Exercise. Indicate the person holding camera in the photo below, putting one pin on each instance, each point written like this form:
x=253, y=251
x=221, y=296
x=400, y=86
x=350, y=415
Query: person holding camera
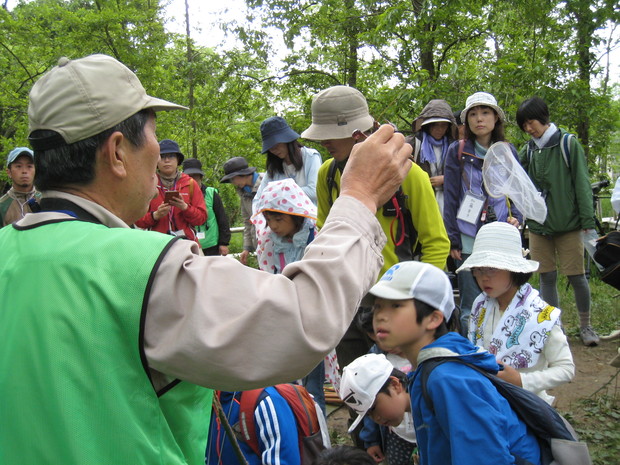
x=467, y=206
x=556, y=163
x=179, y=205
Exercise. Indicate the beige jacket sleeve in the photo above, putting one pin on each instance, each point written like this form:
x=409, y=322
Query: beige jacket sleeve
x=217, y=323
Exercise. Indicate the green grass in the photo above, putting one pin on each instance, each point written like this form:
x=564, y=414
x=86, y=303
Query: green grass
x=595, y=418
x=605, y=306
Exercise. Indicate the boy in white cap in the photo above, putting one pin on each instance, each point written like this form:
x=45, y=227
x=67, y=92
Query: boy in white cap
x=371, y=386
x=471, y=423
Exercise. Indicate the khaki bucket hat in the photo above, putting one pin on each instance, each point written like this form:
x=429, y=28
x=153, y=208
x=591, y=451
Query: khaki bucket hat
x=336, y=113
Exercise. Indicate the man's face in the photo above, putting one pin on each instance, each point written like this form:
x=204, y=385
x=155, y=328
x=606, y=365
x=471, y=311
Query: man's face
x=141, y=165
x=21, y=173
x=340, y=149
x=241, y=181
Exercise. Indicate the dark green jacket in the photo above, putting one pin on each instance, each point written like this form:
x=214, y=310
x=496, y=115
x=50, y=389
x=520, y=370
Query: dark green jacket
x=565, y=186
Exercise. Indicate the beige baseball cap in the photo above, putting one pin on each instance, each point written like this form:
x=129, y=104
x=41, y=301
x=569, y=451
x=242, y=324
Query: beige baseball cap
x=81, y=98
x=337, y=112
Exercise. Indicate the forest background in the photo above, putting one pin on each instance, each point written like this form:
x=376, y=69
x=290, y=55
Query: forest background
x=399, y=54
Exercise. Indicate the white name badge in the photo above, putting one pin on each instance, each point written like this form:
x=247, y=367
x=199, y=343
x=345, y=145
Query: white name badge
x=200, y=235
x=470, y=208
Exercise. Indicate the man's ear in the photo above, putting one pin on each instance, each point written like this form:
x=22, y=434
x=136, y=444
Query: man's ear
x=434, y=320
x=113, y=154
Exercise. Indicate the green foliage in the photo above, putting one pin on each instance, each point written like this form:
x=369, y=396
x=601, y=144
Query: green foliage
x=597, y=425
x=400, y=54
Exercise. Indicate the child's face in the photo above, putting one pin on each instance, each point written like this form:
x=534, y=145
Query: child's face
x=282, y=225
x=394, y=322
x=494, y=282
x=481, y=120
x=389, y=410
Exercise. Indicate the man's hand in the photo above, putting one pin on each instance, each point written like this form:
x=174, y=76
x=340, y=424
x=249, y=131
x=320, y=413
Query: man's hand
x=377, y=167
x=223, y=250
x=243, y=257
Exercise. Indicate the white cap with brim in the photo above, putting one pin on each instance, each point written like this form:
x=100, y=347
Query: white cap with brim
x=361, y=381
x=415, y=280
x=337, y=112
x=82, y=98
x=498, y=245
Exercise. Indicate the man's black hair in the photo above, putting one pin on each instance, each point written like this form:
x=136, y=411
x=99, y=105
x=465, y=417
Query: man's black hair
x=423, y=310
x=74, y=164
x=533, y=108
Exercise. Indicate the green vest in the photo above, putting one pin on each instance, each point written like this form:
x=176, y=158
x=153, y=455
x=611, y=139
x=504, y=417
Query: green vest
x=75, y=385
x=210, y=229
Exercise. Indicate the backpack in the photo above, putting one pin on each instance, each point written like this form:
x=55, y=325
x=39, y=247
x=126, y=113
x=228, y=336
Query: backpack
x=407, y=246
x=306, y=419
x=607, y=254
x=564, y=148
x=559, y=444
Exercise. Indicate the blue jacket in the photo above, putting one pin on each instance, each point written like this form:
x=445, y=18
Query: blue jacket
x=472, y=422
x=275, y=427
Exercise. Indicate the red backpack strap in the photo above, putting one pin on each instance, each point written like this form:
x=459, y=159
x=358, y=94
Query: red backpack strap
x=246, y=418
x=302, y=405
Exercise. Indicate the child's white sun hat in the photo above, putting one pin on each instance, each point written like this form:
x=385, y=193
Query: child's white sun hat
x=498, y=245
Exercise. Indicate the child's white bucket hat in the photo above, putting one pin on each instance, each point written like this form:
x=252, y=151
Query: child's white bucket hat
x=498, y=245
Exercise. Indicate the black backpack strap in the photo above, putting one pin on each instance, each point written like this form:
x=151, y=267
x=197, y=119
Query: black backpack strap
x=331, y=181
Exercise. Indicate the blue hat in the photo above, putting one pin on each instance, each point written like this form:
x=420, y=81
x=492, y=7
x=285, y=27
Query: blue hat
x=170, y=146
x=16, y=152
x=275, y=130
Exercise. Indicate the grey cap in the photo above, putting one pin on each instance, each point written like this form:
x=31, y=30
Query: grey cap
x=81, y=98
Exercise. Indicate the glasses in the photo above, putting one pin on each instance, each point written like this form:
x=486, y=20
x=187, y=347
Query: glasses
x=484, y=271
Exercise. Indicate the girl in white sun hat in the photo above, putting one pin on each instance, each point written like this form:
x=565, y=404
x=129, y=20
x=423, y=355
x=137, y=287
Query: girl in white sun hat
x=509, y=318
